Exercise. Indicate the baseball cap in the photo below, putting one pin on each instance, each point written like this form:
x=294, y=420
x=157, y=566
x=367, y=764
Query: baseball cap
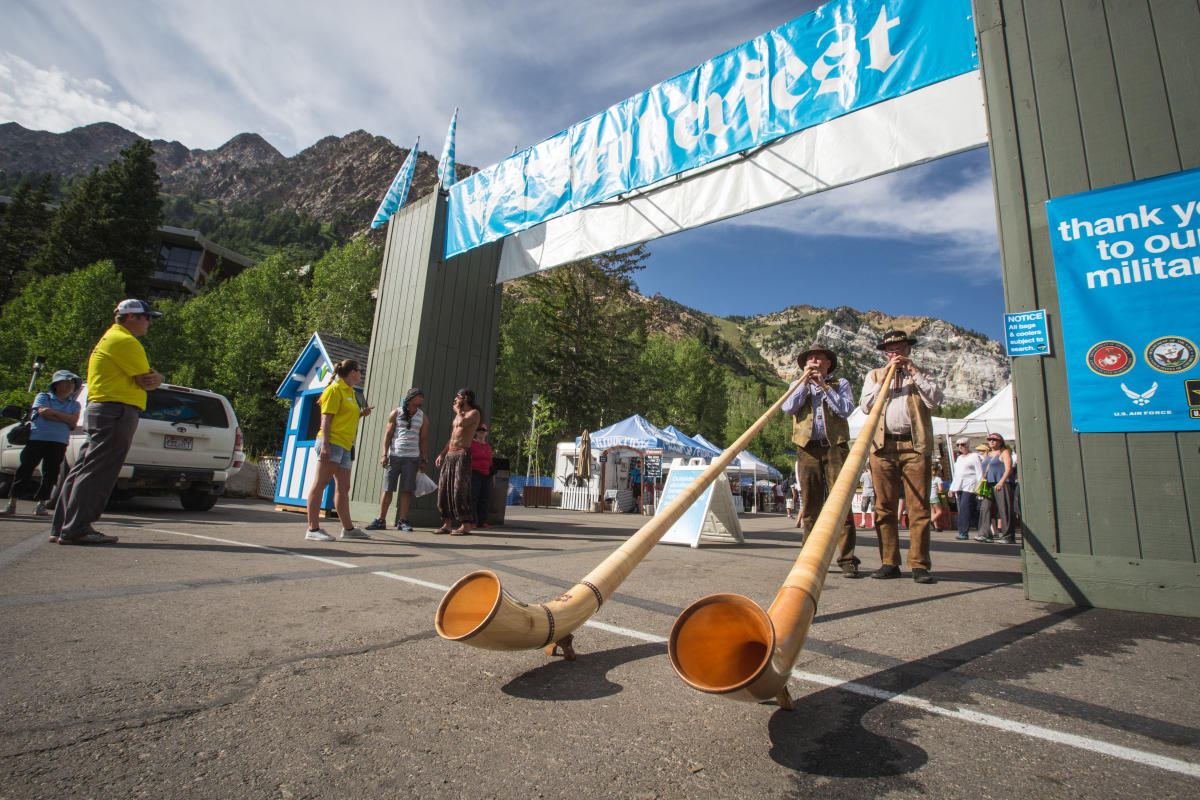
x=132, y=306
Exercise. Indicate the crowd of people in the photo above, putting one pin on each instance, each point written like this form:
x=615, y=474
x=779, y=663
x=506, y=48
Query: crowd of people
x=465, y=465
x=899, y=467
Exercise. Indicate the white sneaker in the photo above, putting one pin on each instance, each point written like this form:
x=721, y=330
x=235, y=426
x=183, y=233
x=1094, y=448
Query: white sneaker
x=41, y=511
x=319, y=535
x=354, y=533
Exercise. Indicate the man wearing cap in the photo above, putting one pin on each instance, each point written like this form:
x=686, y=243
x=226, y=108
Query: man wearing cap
x=117, y=381
x=822, y=437
x=404, y=454
x=900, y=456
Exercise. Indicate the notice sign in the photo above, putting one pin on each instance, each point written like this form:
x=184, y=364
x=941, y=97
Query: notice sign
x=1027, y=334
x=1127, y=261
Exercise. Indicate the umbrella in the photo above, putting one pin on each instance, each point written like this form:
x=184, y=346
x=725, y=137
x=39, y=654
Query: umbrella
x=583, y=464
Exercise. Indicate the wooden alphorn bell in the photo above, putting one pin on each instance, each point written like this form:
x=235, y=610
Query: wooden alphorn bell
x=726, y=644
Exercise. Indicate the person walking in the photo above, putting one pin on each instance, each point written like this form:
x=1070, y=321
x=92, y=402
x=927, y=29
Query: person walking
x=55, y=413
x=868, y=499
x=968, y=471
x=901, y=456
x=997, y=471
x=481, y=475
x=119, y=375
x=340, y=413
x=404, y=456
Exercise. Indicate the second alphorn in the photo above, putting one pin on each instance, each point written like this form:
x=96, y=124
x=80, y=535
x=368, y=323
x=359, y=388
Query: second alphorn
x=726, y=644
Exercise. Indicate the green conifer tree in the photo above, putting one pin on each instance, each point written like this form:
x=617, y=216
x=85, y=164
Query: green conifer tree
x=112, y=214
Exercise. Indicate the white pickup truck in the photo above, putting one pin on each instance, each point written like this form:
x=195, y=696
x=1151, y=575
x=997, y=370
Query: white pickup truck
x=188, y=442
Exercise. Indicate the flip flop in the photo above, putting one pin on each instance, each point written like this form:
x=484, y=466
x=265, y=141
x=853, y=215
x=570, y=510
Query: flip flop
x=460, y=532
x=442, y=530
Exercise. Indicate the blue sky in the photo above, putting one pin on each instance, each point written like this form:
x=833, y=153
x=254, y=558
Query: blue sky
x=921, y=241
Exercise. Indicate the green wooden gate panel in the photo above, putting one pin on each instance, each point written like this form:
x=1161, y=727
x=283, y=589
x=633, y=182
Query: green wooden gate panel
x=1084, y=94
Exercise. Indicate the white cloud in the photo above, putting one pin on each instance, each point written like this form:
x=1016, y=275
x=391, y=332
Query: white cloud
x=51, y=99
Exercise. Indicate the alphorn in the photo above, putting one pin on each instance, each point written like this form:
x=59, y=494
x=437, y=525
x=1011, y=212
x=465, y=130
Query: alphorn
x=726, y=644
x=478, y=612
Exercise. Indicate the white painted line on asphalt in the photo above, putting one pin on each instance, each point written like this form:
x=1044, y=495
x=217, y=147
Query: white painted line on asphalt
x=415, y=581
x=992, y=721
x=966, y=715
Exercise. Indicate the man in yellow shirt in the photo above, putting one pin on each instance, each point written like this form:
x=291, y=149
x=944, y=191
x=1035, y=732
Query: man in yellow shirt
x=118, y=378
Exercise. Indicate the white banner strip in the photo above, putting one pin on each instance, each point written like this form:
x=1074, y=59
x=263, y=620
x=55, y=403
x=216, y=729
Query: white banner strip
x=938, y=120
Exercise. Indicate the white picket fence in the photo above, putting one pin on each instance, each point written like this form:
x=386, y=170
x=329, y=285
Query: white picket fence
x=579, y=498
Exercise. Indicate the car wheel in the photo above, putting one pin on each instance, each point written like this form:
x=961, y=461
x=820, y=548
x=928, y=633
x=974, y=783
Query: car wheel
x=197, y=500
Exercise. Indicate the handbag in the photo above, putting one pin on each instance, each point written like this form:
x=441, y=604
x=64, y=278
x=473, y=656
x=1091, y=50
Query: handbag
x=982, y=489
x=19, y=433
x=425, y=485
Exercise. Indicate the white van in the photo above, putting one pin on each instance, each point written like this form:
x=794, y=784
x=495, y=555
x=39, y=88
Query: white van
x=188, y=442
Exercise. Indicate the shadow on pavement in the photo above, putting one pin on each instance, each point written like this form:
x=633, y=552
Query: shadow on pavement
x=584, y=679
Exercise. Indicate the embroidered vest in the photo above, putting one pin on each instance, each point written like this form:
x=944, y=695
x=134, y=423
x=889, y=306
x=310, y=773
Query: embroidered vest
x=837, y=429
x=919, y=416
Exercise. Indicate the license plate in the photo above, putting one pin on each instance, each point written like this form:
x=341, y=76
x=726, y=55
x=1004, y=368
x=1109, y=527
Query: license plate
x=177, y=442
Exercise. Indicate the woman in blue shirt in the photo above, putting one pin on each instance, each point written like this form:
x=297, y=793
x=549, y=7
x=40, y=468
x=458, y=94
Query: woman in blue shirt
x=998, y=472
x=55, y=414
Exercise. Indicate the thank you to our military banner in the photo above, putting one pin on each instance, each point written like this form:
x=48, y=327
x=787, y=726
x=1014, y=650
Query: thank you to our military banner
x=1127, y=259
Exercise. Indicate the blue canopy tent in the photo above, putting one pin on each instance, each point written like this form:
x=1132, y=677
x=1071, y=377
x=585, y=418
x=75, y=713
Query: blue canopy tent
x=683, y=437
x=746, y=462
x=642, y=434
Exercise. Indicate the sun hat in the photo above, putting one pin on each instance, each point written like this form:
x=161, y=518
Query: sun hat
x=802, y=359
x=894, y=337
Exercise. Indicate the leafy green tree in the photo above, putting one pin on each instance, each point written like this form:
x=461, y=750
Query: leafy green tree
x=112, y=214
x=239, y=339
x=340, y=297
x=60, y=317
x=23, y=226
x=683, y=386
x=572, y=335
x=748, y=400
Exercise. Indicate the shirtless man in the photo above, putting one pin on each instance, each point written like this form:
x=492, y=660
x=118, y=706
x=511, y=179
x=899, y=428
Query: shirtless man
x=454, y=480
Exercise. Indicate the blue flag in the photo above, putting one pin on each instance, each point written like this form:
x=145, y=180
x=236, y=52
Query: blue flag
x=446, y=177
x=398, y=192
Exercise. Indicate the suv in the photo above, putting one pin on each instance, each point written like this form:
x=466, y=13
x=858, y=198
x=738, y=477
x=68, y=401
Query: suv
x=187, y=442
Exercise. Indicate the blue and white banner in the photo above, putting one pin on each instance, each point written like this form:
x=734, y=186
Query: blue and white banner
x=846, y=55
x=1127, y=261
x=397, y=193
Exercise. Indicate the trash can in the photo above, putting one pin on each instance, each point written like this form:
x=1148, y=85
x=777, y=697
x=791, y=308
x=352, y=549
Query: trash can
x=499, y=496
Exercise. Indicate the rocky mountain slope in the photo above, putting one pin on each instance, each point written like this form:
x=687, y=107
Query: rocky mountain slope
x=338, y=179
x=970, y=367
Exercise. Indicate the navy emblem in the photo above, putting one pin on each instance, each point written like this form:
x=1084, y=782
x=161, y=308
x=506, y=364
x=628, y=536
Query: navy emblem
x=1171, y=354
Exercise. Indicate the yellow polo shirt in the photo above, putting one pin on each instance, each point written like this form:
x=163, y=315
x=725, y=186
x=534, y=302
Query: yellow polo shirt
x=338, y=399
x=116, y=358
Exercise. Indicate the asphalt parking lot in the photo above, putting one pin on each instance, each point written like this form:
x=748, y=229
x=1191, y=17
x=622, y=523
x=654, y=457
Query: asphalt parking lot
x=220, y=654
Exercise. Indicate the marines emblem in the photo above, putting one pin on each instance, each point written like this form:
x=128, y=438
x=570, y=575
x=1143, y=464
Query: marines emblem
x=1110, y=358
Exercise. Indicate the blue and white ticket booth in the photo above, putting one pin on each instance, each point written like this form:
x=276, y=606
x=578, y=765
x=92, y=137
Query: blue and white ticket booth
x=309, y=376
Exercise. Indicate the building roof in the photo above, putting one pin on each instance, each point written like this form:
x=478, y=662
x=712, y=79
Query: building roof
x=324, y=347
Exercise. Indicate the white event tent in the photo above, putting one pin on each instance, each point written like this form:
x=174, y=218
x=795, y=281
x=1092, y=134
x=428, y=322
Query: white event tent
x=994, y=416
